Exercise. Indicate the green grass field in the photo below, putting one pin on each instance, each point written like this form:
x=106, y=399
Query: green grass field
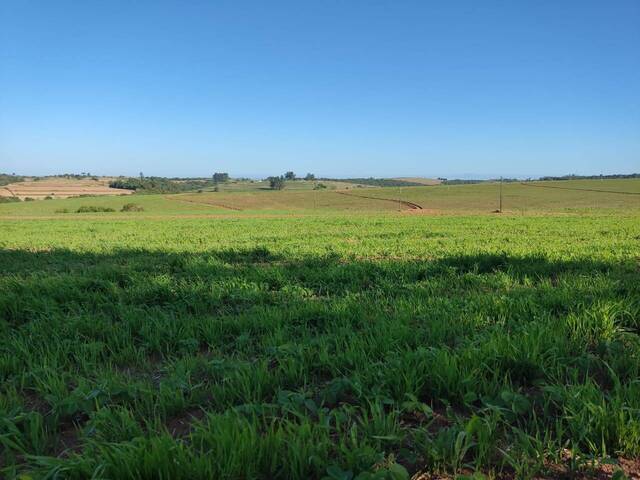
x=318, y=335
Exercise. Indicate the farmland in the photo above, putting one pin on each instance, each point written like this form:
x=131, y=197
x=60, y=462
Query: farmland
x=621, y=197
x=53, y=187
x=323, y=334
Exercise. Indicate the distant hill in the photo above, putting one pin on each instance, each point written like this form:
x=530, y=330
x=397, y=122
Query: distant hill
x=420, y=180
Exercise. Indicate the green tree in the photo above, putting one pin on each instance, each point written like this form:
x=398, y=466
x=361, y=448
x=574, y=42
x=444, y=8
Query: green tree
x=310, y=176
x=220, y=177
x=289, y=176
x=276, y=183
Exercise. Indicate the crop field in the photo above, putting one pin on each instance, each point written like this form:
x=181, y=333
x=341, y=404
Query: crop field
x=619, y=197
x=518, y=198
x=54, y=187
x=523, y=198
x=319, y=335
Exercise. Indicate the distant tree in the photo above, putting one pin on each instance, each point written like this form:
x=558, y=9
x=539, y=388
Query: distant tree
x=141, y=176
x=289, y=176
x=310, y=176
x=276, y=183
x=219, y=177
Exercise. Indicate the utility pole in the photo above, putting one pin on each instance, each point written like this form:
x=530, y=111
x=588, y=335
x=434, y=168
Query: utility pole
x=500, y=209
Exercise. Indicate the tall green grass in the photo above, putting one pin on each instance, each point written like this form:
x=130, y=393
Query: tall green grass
x=341, y=347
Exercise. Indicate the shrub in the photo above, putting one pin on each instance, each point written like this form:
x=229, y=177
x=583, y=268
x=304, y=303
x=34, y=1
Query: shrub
x=93, y=209
x=29, y=199
x=132, y=207
x=9, y=199
x=62, y=210
x=48, y=197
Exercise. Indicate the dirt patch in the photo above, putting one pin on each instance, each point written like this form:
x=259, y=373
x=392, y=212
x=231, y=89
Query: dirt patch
x=593, y=470
x=35, y=403
x=68, y=440
x=181, y=425
x=630, y=468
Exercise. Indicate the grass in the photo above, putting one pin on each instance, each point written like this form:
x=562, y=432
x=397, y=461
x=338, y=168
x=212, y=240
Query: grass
x=370, y=345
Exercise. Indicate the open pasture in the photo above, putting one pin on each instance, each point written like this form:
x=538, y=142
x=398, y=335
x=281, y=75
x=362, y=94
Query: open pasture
x=355, y=343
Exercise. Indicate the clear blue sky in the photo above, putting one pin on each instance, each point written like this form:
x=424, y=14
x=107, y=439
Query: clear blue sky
x=339, y=88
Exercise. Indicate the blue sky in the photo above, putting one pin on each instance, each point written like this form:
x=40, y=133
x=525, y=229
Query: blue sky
x=338, y=88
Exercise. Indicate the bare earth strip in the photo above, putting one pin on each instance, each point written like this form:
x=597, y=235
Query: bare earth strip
x=410, y=205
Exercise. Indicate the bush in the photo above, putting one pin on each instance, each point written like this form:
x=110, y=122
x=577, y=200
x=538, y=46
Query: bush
x=9, y=199
x=132, y=207
x=62, y=210
x=48, y=197
x=93, y=209
x=29, y=199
